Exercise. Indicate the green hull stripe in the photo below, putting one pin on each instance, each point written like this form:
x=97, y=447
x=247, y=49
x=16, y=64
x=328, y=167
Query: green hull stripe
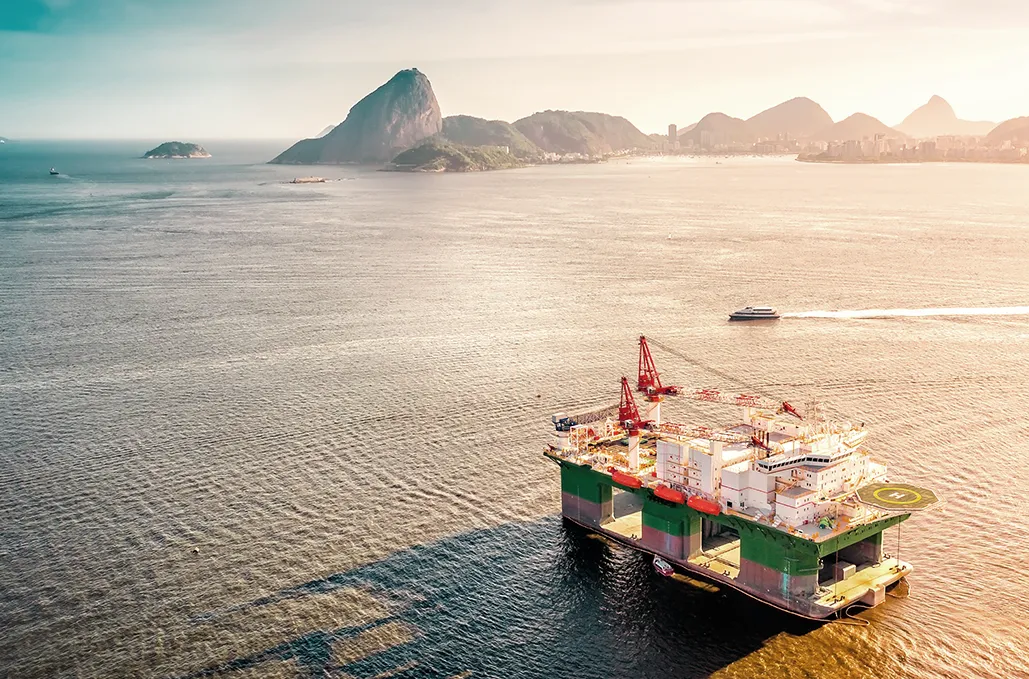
x=585, y=483
x=777, y=550
x=759, y=543
x=674, y=519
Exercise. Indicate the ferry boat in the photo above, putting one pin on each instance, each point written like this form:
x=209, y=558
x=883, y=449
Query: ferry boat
x=783, y=505
x=754, y=313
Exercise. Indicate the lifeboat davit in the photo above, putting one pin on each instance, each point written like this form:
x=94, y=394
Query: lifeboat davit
x=624, y=479
x=703, y=505
x=670, y=494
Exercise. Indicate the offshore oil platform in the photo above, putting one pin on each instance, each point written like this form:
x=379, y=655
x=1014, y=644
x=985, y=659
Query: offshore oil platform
x=784, y=506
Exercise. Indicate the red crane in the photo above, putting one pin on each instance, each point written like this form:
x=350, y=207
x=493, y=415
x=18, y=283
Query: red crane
x=628, y=413
x=787, y=408
x=649, y=381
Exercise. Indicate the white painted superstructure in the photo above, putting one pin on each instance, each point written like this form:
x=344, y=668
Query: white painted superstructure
x=800, y=473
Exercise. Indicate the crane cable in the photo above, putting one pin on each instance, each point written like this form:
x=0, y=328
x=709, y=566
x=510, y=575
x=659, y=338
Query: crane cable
x=706, y=368
x=726, y=376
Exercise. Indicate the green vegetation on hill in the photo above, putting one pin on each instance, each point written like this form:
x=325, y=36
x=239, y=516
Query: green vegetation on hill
x=472, y=131
x=443, y=156
x=591, y=134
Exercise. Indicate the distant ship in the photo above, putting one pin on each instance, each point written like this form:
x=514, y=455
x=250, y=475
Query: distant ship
x=754, y=313
x=53, y=171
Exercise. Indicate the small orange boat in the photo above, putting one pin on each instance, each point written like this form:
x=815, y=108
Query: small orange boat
x=670, y=494
x=703, y=505
x=624, y=479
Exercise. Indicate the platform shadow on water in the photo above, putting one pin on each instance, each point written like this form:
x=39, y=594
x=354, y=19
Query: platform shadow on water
x=543, y=599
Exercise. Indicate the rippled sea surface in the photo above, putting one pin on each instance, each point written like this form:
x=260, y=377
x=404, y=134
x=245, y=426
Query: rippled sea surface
x=253, y=429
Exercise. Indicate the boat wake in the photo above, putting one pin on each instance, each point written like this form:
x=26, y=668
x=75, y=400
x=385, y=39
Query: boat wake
x=894, y=313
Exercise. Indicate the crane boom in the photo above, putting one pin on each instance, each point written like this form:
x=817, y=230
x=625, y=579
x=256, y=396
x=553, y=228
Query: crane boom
x=745, y=400
x=565, y=422
x=706, y=433
x=627, y=410
x=650, y=383
x=649, y=380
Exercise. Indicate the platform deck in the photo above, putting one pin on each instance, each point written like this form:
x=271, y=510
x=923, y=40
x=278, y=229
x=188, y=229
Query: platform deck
x=854, y=587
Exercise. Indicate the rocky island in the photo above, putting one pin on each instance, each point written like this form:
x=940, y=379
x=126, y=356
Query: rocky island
x=177, y=149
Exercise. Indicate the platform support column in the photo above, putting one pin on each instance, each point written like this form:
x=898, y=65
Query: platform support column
x=585, y=497
x=869, y=550
x=774, y=562
x=670, y=529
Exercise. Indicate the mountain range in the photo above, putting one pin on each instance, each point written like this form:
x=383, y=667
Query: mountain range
x=403, y=114
x=798, y=118
x=802, y=118
x=857, y=126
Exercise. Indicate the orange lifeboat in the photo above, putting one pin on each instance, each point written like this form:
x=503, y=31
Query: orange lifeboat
x=624, y=479
x=670, y=494
x=703, y=505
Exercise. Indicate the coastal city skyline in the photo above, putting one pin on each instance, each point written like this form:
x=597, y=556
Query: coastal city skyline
x=216, y=71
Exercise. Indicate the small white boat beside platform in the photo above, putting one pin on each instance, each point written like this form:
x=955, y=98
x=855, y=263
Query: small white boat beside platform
x=663, y=567
x=755, y=313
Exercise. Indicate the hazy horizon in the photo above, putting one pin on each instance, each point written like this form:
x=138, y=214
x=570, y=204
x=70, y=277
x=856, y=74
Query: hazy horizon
x=260, y=70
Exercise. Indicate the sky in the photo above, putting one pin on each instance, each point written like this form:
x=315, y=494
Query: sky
x=284, y=69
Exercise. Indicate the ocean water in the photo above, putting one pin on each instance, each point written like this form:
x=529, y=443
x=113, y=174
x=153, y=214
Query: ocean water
x=254, y=429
